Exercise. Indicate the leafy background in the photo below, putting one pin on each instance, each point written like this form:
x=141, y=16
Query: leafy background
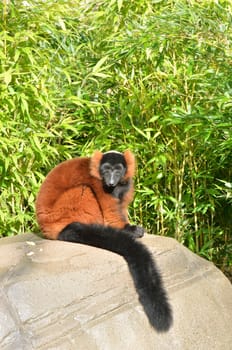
x=151, y=76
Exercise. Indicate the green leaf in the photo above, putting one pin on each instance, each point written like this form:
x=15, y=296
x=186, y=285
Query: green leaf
x=99, y=65
x=7, y=76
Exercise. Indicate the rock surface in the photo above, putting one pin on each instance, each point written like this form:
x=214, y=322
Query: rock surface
x=61, y=296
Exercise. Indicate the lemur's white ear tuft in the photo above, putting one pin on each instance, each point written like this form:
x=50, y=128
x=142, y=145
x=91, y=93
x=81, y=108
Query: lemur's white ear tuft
x=130, y=163
x=95, y=161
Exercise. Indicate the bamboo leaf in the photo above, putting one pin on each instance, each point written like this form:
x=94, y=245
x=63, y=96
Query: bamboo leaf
x=99, y=65
x=7, y=76
x=120, y=2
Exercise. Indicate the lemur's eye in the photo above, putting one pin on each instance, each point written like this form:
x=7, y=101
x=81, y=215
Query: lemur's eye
x=118, y=167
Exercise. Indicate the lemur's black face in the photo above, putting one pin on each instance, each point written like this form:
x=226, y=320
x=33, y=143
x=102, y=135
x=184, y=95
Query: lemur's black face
x=112, y=169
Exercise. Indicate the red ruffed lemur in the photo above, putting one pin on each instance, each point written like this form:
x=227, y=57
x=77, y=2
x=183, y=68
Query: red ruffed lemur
x=85, y=200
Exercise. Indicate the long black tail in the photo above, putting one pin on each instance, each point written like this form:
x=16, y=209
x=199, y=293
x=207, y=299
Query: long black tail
x=147, y=279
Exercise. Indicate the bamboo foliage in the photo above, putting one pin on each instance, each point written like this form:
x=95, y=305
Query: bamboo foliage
x=153, y=76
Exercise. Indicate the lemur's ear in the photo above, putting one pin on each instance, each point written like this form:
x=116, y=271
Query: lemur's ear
x=95, y=161
x=130, y=163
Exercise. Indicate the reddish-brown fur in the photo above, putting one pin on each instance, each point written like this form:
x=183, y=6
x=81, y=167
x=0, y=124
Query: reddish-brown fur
x=73, y=191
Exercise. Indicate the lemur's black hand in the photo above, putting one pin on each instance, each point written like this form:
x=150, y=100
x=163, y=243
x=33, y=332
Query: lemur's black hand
x=138, y=231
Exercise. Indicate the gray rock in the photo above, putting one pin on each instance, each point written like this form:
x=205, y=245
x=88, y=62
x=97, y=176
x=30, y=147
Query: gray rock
x=61, y=296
